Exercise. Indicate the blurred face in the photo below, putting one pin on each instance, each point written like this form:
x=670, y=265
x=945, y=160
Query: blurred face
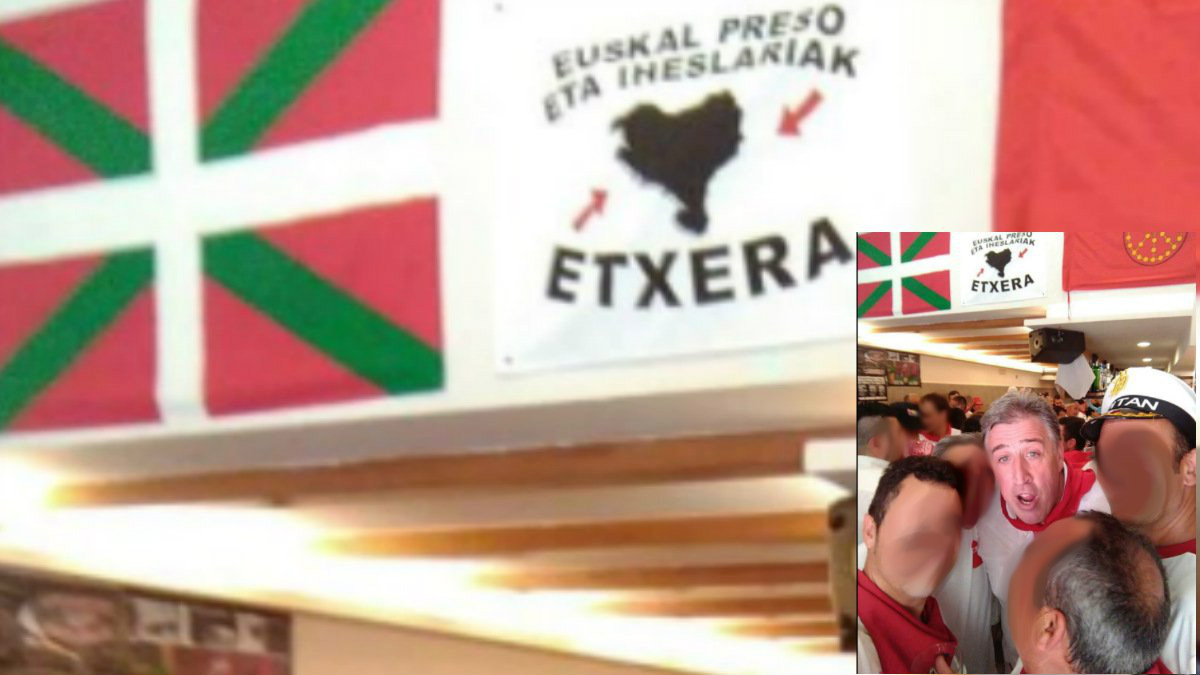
x=1138, y=472
x=976, y=473
x=1068, y=443
x=1028, y=468
x=1038, y=631
x=934, y=420
x=915, y=546
x=896, y=440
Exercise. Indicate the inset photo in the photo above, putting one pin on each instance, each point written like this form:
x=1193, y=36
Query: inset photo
x=1026, y=452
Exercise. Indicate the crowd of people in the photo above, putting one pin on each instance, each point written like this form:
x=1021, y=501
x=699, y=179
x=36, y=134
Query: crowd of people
x=1032, y=535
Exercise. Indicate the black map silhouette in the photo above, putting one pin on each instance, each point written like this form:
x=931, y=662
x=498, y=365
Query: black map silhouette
x=999, y=260
x=682, y=151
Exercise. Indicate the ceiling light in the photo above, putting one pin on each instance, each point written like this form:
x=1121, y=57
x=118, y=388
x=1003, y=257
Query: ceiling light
x=1143, y=343
x=24, y=490
x=1147, y=360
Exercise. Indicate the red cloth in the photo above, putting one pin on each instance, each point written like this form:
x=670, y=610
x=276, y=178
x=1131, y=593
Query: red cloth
x=1173, y=550
x=1099, y=260
x=918, y=447
x=904, y=643
x=1079, y=481
x=1158, y=667
x=1098, y=110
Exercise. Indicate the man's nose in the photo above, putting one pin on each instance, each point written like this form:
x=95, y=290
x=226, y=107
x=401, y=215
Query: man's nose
x=1021, y=474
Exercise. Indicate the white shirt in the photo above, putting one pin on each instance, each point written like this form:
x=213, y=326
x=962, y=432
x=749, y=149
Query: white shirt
x=965, y=600
x=868, y=658
x=1179, y=652
x=1001, y=546
x=870, y=470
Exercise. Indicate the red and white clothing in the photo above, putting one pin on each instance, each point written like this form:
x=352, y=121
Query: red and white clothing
x=918, y=446
x=1179, y=561
x=892, y=640
x=1002, y=538
x=934, y=438
x=965, y=600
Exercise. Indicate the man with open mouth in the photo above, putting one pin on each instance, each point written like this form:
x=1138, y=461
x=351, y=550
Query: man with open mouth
x=1038, y=483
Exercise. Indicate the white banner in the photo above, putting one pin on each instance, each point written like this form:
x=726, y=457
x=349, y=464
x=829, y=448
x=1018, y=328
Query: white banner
x=684, y=179
x=1000, y=267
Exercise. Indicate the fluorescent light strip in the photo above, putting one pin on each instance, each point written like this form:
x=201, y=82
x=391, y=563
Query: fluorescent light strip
x=915, y=342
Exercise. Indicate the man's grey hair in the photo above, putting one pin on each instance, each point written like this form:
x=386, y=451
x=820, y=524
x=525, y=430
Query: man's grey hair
x=1116, y=617
x=868, y=428
x=1020, y=404
x=950, y=442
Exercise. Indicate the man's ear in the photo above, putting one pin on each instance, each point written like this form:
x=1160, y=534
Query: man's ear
x=876, y=445
x=1188, y=468
x=1051, y=636
x=869, y=531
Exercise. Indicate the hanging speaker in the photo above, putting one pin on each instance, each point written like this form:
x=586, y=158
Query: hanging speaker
x=1054, y=345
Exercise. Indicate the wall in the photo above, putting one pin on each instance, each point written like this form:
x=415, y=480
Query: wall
x=940, y=375
x=323, y=646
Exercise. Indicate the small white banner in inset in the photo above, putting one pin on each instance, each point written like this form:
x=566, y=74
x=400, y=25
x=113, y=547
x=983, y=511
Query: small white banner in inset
x=1000, y=267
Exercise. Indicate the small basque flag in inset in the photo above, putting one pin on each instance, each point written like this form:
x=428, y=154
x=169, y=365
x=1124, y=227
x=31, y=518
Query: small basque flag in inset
x=274, y=72
x=73, y=96
x=333, y=308
x=77, y=342
x=874, y=250
x=922, y=273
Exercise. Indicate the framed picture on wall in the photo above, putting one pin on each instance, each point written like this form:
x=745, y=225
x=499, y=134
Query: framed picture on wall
x=58, y=625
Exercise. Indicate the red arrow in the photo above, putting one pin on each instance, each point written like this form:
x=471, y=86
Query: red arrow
x=789, y=124
x=594, y=208
x=1022, y=253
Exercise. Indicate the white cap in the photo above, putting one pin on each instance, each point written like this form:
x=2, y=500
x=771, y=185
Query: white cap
x=1147, y=393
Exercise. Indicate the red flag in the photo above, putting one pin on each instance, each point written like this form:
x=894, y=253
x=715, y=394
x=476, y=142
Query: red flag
x=77, y=342
x=331, y=308
x=74, y=99
x=1098, y=115
x=1098, y=260
x=276, y=72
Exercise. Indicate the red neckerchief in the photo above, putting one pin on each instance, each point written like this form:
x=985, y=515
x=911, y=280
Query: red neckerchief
x=976, y=561
x=1077, y=485
x=1177, y=549
x=936, y=437
x=904, y=643
x=1157, y=667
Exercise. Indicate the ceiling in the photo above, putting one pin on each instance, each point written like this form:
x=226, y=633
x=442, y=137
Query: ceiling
x=760, y=407
x=1114, y=340
x=703, y=554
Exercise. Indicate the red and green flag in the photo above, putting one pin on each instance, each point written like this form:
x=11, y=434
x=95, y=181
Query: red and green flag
x=922, y=273
x=275, y=72
x=73, y=96
x=332, y=308
x=77, y=342
x=874, y=297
